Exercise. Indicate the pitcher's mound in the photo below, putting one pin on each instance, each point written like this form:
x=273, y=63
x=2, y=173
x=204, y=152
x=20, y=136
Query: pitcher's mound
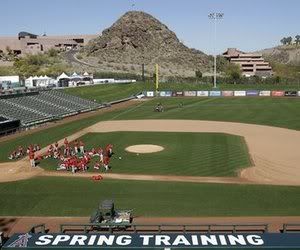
x=144, y=148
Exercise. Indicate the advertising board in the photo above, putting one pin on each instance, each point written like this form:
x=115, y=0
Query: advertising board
x=265, y=93
x=227, y=93
x=252, y=93
x=178, y=93
x=202, y=93
x=162, y=93
x=290, y=93
x=150, y=93
x=277, y=93
x=215, y=93
x=239, y=93
x=155, y=241
x=190, y=93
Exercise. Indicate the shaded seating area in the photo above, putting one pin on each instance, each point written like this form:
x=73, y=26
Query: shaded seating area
x=43, y=106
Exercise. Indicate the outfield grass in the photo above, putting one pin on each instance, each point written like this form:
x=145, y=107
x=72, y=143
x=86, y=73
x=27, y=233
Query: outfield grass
x=111, y=92
x=280, y=112
x=48, y=196
x=192, y=154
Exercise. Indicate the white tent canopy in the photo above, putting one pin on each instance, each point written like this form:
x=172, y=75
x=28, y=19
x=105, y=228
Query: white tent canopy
x=39, y=81
x=63, y=76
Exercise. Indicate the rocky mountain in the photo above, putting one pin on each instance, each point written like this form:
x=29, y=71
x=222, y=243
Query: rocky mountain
x=287, y=54
x=138, y=38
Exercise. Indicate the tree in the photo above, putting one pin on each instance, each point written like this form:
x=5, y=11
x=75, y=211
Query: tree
x=283, y=41
x=297, y=39
x=233, y=71
x=8, y=50
x=198, y=74
x=289, y=40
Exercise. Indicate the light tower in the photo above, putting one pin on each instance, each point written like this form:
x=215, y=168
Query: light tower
x=215, y=16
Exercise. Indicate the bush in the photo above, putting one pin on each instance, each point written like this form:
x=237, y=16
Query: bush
x=52, y=52
x=79, y=57
x=198, y=74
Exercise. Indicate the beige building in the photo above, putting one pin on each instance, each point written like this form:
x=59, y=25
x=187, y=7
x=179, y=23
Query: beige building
x=26, y=43
x=251, y=63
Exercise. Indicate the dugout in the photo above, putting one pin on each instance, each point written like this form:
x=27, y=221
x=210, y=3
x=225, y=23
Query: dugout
x=8, y=126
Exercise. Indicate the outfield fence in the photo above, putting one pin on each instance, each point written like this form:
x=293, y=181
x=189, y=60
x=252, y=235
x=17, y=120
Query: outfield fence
x=224, y=93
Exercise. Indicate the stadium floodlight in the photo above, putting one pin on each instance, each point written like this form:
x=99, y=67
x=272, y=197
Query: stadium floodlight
x=215, y=16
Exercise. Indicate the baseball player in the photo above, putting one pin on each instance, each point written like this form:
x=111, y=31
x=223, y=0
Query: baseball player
x=97, y=165
x=106, y=162
x=31, y=159
x=81, y=144
x=76, y=146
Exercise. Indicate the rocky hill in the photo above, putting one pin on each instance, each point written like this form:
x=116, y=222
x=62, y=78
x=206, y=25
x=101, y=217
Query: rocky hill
x=287, y=54
x=137, y=38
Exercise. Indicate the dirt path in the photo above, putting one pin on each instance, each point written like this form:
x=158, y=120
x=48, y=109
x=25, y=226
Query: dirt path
x=10, y=225
x=275, y=151
x=195, y=179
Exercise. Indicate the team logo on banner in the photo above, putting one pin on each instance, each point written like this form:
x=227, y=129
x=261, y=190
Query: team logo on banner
x=22, y=241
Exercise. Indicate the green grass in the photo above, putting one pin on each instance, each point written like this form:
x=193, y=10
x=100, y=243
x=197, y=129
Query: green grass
x=111, y=92
x=51, y=135
x=280, y=112
x=48, y=196
x=192, y=154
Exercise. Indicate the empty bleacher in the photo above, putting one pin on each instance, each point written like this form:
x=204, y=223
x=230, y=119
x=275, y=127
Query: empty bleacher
x=43, y=106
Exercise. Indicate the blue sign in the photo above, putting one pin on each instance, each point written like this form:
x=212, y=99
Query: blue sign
x=155, y=241
x=169, y=93
x=214, y=93
x=252, y=93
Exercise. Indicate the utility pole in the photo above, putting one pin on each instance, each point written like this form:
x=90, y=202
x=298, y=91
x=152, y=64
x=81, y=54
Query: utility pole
x=215, y=16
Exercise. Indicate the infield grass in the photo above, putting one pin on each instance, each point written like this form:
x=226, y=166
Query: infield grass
x=50, y=196
x=280, y=112
x=190, y=154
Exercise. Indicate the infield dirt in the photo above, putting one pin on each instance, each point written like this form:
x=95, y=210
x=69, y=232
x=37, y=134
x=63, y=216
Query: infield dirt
x=274, y=151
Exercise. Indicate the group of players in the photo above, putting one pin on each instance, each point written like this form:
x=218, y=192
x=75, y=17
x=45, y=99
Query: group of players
x=20, y=152
x=76, y=158
x=72, y=156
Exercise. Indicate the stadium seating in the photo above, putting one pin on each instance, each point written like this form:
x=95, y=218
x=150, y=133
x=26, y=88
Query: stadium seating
x=44, y=106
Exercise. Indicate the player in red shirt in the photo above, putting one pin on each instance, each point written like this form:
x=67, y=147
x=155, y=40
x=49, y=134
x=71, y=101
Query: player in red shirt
x=106, y=162
x=66, y=142
x=97, y=165
x=109, y=150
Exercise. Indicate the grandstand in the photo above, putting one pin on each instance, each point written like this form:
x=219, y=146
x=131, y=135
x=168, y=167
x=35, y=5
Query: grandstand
x=39, y=107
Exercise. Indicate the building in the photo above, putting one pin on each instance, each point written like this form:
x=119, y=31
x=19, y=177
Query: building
x=27, y=43
x=251, y=63
x=9, y=82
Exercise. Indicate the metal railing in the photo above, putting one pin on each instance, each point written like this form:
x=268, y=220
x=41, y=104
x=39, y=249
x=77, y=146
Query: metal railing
x=135, y=228
x=291, y=228
x=41, y=227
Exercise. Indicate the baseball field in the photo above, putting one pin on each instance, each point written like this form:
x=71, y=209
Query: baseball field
x=220, y=157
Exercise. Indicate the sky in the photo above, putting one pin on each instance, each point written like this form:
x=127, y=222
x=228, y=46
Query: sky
x=248, y=25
